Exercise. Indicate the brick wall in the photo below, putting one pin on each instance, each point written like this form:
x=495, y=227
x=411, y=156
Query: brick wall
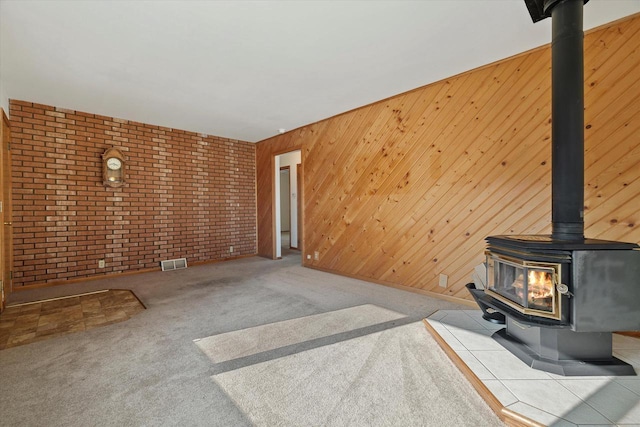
x=187, y=195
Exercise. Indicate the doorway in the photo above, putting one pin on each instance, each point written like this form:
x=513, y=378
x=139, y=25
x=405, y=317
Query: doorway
x=6, y=255
x=285, y=207
x=287, y=203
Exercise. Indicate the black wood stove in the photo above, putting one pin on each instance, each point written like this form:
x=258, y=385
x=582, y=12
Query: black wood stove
x=561, y=295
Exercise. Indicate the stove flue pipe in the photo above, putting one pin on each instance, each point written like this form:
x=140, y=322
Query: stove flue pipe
x=567, y=120
x=567, y=114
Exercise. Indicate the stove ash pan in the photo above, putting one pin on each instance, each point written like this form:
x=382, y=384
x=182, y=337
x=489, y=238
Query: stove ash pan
x=585, y=286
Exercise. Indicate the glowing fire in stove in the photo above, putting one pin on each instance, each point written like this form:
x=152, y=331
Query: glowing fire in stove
x=539, y=287
x=539, y=284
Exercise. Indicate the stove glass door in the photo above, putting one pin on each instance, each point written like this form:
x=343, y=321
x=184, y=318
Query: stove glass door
x=531, y=287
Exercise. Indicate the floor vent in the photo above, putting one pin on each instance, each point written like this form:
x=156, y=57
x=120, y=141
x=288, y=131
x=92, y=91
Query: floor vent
x=173, y=264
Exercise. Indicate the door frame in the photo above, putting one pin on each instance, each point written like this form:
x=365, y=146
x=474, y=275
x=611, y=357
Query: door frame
x=286, y=168
x=275, y=201
x=6, y=235
x=299, y=205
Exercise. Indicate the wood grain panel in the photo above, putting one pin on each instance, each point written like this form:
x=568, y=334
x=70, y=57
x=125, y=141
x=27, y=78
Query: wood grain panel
x=6, y=227
x=405, y=189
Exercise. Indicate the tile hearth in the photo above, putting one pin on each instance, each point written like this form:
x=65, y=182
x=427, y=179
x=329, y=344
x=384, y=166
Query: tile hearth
x=545, y=398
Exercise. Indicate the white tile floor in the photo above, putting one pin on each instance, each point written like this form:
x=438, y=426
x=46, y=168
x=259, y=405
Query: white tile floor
x=543, y=397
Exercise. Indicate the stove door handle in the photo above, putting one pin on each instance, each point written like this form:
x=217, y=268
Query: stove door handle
x=564, y=289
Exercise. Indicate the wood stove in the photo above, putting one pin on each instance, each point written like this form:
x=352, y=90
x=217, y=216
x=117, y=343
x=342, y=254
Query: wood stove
x=561, y=296
x=561, y=300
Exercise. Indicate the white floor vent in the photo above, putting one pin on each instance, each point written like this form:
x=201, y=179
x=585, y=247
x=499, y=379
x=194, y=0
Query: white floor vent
x=173, y=264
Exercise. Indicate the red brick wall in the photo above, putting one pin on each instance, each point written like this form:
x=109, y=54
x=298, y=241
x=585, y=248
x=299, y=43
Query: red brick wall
x=187, y=195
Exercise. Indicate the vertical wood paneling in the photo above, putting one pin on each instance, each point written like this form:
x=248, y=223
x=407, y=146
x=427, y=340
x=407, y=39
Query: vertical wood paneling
x=6, y=211
x=406, y=189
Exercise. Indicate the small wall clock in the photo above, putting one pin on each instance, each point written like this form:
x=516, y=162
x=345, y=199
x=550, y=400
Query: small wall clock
x=113, y=168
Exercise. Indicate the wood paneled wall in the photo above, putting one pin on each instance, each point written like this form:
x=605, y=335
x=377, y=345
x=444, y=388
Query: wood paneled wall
x=403, y=190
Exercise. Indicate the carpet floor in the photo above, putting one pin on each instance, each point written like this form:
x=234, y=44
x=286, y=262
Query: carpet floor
x=384, y=369
x=395, y=377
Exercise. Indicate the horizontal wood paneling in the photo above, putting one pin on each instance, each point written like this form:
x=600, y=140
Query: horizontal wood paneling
x=406, y=189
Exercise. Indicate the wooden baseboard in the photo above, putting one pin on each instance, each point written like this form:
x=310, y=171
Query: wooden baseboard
x=216, y=261
x=20, y=304
x=634, y=334
x=116, y=275
x=462, y=301
x=82, y=279
x=508, y=416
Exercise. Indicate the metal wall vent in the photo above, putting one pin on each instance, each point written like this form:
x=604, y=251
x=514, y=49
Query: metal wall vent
x=173, y=264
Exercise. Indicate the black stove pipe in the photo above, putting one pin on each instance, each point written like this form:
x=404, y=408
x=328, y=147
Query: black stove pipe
x=567, y=116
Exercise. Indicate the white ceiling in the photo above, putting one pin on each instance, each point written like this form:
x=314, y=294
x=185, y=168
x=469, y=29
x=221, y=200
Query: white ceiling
x=244, y=69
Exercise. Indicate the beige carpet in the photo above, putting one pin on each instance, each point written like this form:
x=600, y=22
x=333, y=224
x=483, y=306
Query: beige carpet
x=259, y=339
x=147, y=371
x=397, y=377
